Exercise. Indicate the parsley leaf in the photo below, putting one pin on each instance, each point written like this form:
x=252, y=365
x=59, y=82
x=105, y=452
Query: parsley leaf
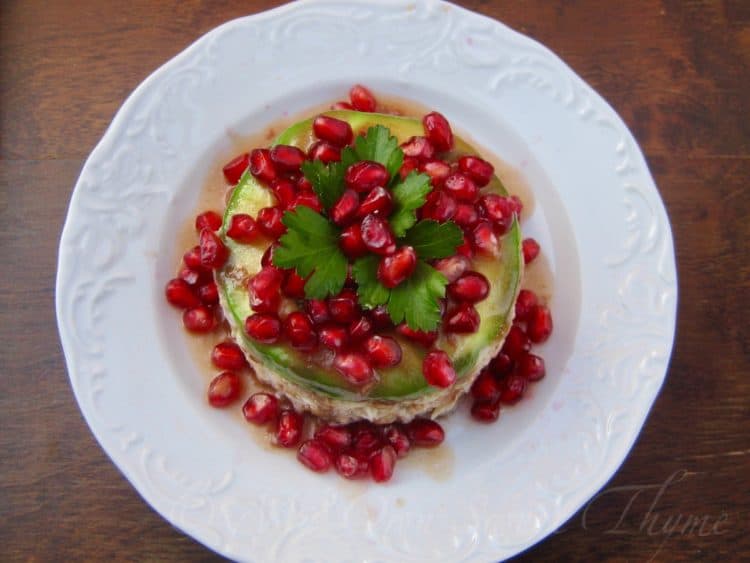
x=328, y=179
x=432, y=240
x=370, y=291
x=311, y=245
x=416, y=300
x=408, y=196
x=380, y=146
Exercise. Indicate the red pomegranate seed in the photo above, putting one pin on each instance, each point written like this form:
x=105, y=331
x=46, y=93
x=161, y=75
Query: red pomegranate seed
x=409, y=165
x=437, y=170
x=192, y=259
x=477, y=169
x=294, y=285
x=498, y=209
x=513, y=389
x=501, y=365
x=264, y=289
x=285, y=191
x=287, y=158
x=324, y=152
x=180, y=294
x=426, y=339
x=530, y=249
x=437, y=369
x=383, y=351
x=485, y=387
x=261, y=408
x=525, y=302
x=453, y=267
x=261, y=165
x=193, y=277
x=438, y=131
x=379, y=201
x=539, y=324
x=381, y=319
x=227, y=355
x=461, y=187
x=344, y=210
x=335, y=131
x=462, y=319
x=366, y=441
x=289, y=428
x=471, y=287
x=304, y=186
x=224, y=389
x=465, y=249
x=209, y=293
x=466, y=216
x=199, y=319
x=377, y=235
x=419, y=148
x=269, y=219
x=333, y=336
x=234, y=168
x=439, y=206
x=517, y=204
x=354, y=367
x=208, y=220
x=342, y=106
x=263, y=327
x=362, y=99
x=310, y=200
x=484, y=239
x=485, y=410
x=366, y=175
x=350, y=467
x=517, y=343
x=351, y=242
x=267, y=258
x=317, y=309
x=315, y=455
x=343, y=307
x=398, y=267
x=336, y=437
x=382, y=464
x=213, y=252
x=242, y=228
x=360, y=329
x=425, y=433
x=298, y=329
x=396, y=436
x=531, y=367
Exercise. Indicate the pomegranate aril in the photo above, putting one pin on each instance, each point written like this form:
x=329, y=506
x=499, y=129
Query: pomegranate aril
x=349, y=467
x=208, y=220
x=531, y=367
x=199, y=319
x=289, y=428
x=513, y=389
x=409, y=165
x=453, y=267
x=263, y=289
x=342, y=106
x=398, y=267
x=486, y=410
x=461, y=187
x=234, y=168
x=269, y=219
x=419, y=148
x=379, y=201
x=396, y=436
x=227, y=355
x=501, y=365
x=462, y=319
x=294, y=285
x=530, y=248
x=367, y=441
x=382, y=464
x=324, y=152
x=466, y=215
x=343, y=307
x=470, y=287
x=213, y=252
x=224, y=389
x=360, y=329
x=335, y=131
x=517, y=343
x=192, y=259
x=439, y=206
x=263, y=327
x=193, y=277
x=425, y=433
x=377, y=235
x=310, y=200
x=426, y=339
x=438, y=131
x=365, y=175
x=336, y=437
x=299, y=331
x=180, y=294
x=362, y=99
x=353, y=367
x=267, y=258
x=285, y=191
x=317, y=309
x=209, y=293
x=351, y=242
x=383, y=351
x=242, y=228
x=333, y=336
x=525, y=302
x=381, y=319
x=304, y=185
x=261, y=165
x=315, y=455
x=465, y=248
x=477, y=169
x=261, y=408
x=437, y=369
x=485, y=387
x=497, y=209
x=287, y=158
x=344, y=210
x=516, y=204
x=539, y=324
x=437, y=170
x=484, y=240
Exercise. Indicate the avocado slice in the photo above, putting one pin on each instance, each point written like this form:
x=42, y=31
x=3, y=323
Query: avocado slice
x=405, y=381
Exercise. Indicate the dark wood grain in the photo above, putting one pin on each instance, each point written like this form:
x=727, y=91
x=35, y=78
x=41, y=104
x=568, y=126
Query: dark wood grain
x=676, y=70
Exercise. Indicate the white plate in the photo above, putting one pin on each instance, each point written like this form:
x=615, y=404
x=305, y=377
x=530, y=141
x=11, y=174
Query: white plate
x=598, y=216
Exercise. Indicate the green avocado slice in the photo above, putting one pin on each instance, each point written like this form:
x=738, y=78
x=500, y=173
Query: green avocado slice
x=405, y=381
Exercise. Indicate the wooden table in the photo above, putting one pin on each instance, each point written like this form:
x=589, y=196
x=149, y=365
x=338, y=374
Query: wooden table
x=677, y=72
